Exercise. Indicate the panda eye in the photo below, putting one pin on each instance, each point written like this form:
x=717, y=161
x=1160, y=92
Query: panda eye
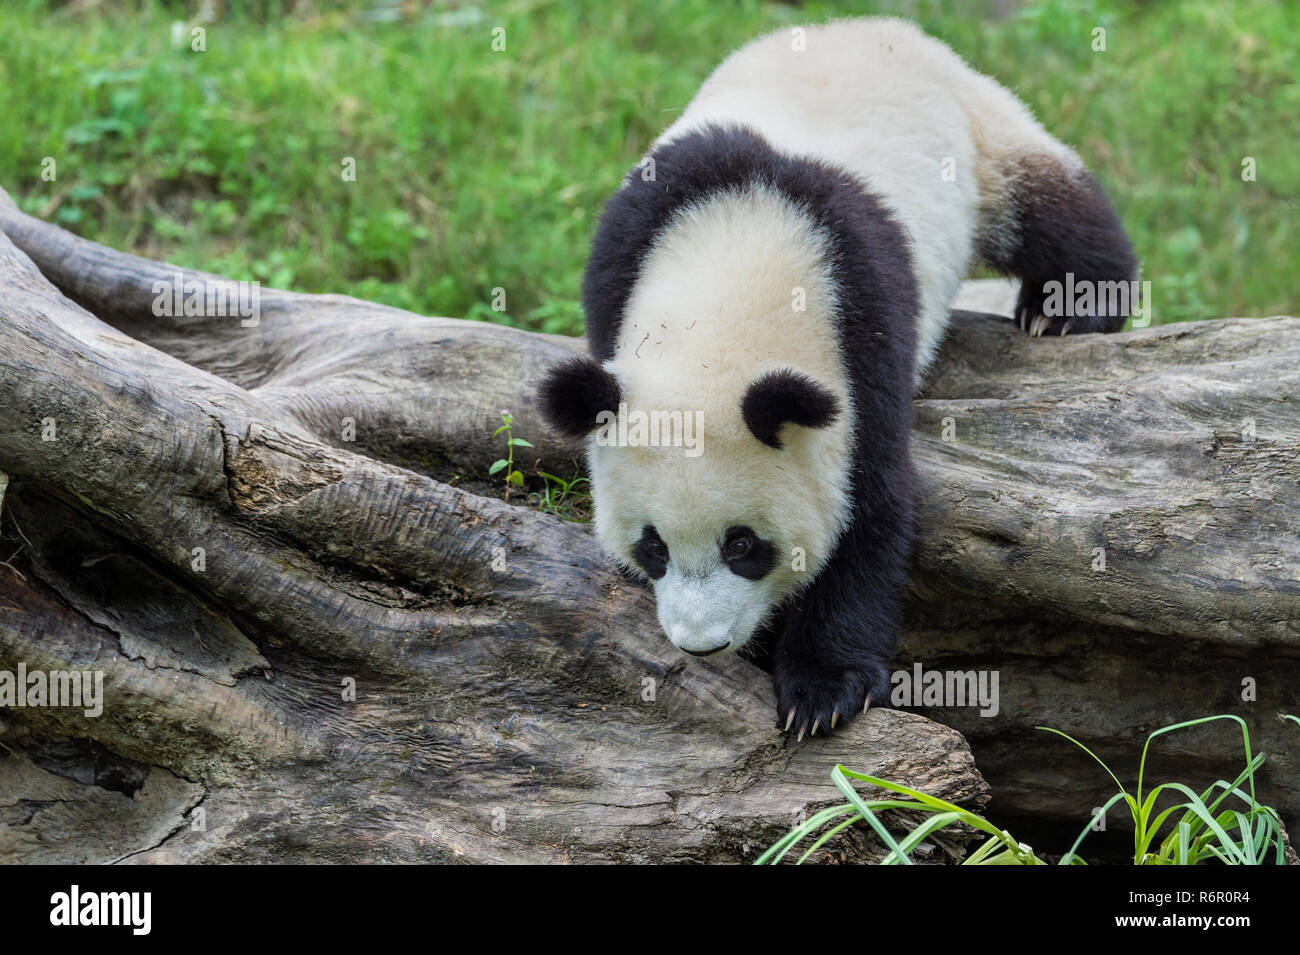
x=651, y=553
x=746, y=554
x=739, y=547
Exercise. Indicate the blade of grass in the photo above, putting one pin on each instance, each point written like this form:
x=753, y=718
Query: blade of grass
x=1097, y=758
x=839, y=778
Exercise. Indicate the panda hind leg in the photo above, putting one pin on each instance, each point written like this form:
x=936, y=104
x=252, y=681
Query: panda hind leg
x=1050, y=224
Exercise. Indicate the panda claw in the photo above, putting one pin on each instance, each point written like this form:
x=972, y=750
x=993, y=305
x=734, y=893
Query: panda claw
x=1065, y=329
x=867, y=706
x=817, y=700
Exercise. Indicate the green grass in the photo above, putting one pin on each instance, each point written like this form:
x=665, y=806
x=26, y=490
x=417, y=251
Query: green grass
x=1202, y=827
x=478, y=170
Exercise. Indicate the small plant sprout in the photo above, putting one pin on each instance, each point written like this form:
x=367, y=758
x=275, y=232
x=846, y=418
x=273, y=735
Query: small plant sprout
x=569, y=500
x=513, y=475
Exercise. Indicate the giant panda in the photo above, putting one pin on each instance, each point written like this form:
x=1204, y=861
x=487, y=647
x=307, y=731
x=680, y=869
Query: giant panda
x=780, y=266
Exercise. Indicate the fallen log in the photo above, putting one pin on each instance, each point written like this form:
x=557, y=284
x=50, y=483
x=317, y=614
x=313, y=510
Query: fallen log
x=321, y=638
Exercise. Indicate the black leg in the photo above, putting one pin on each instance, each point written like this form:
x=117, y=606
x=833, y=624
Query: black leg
x=838, y=638
x=1077, y=268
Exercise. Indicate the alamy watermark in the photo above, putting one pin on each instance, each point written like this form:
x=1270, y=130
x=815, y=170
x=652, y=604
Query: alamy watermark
x=1070, y=298
x=80, y=689
x=75, y=907
x=653, y=429
x=208, y=298
x=921, y=687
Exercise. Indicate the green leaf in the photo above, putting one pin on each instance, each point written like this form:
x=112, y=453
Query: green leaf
x=497, y=465
x=517, y=477
x=520, y=442
x=839, y=777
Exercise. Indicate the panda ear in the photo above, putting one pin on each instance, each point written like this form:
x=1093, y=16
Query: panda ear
x=574, y=393
x=786, y=396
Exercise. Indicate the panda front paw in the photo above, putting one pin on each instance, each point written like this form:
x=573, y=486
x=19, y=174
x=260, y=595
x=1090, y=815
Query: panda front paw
x=812, y=696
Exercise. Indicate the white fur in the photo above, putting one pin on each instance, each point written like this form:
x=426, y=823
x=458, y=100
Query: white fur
x=892, y=105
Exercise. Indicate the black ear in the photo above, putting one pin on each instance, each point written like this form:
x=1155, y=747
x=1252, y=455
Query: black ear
x=785, y=395
x=574, y=393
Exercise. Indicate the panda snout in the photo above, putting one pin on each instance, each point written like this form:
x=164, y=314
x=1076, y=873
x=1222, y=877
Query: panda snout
x=705, y=615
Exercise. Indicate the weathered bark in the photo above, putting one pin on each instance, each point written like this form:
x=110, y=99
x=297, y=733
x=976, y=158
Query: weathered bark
x=514, y=700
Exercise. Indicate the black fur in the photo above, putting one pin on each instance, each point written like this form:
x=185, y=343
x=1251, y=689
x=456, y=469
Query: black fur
x=786, y=396
x=836, y=638
x=757, y=561
x=1065, y=223
x=574, y=393
x=651, y=553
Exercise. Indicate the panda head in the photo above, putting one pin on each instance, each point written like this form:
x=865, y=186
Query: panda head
x=731, y=520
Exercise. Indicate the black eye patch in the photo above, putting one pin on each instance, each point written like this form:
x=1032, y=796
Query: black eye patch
x=746, y=554
x=651, y=552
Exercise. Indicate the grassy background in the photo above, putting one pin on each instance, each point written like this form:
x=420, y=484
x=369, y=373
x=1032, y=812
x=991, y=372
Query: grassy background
x=478, y=169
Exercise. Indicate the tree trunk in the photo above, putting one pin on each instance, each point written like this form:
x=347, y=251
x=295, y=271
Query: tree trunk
x=321, y=638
